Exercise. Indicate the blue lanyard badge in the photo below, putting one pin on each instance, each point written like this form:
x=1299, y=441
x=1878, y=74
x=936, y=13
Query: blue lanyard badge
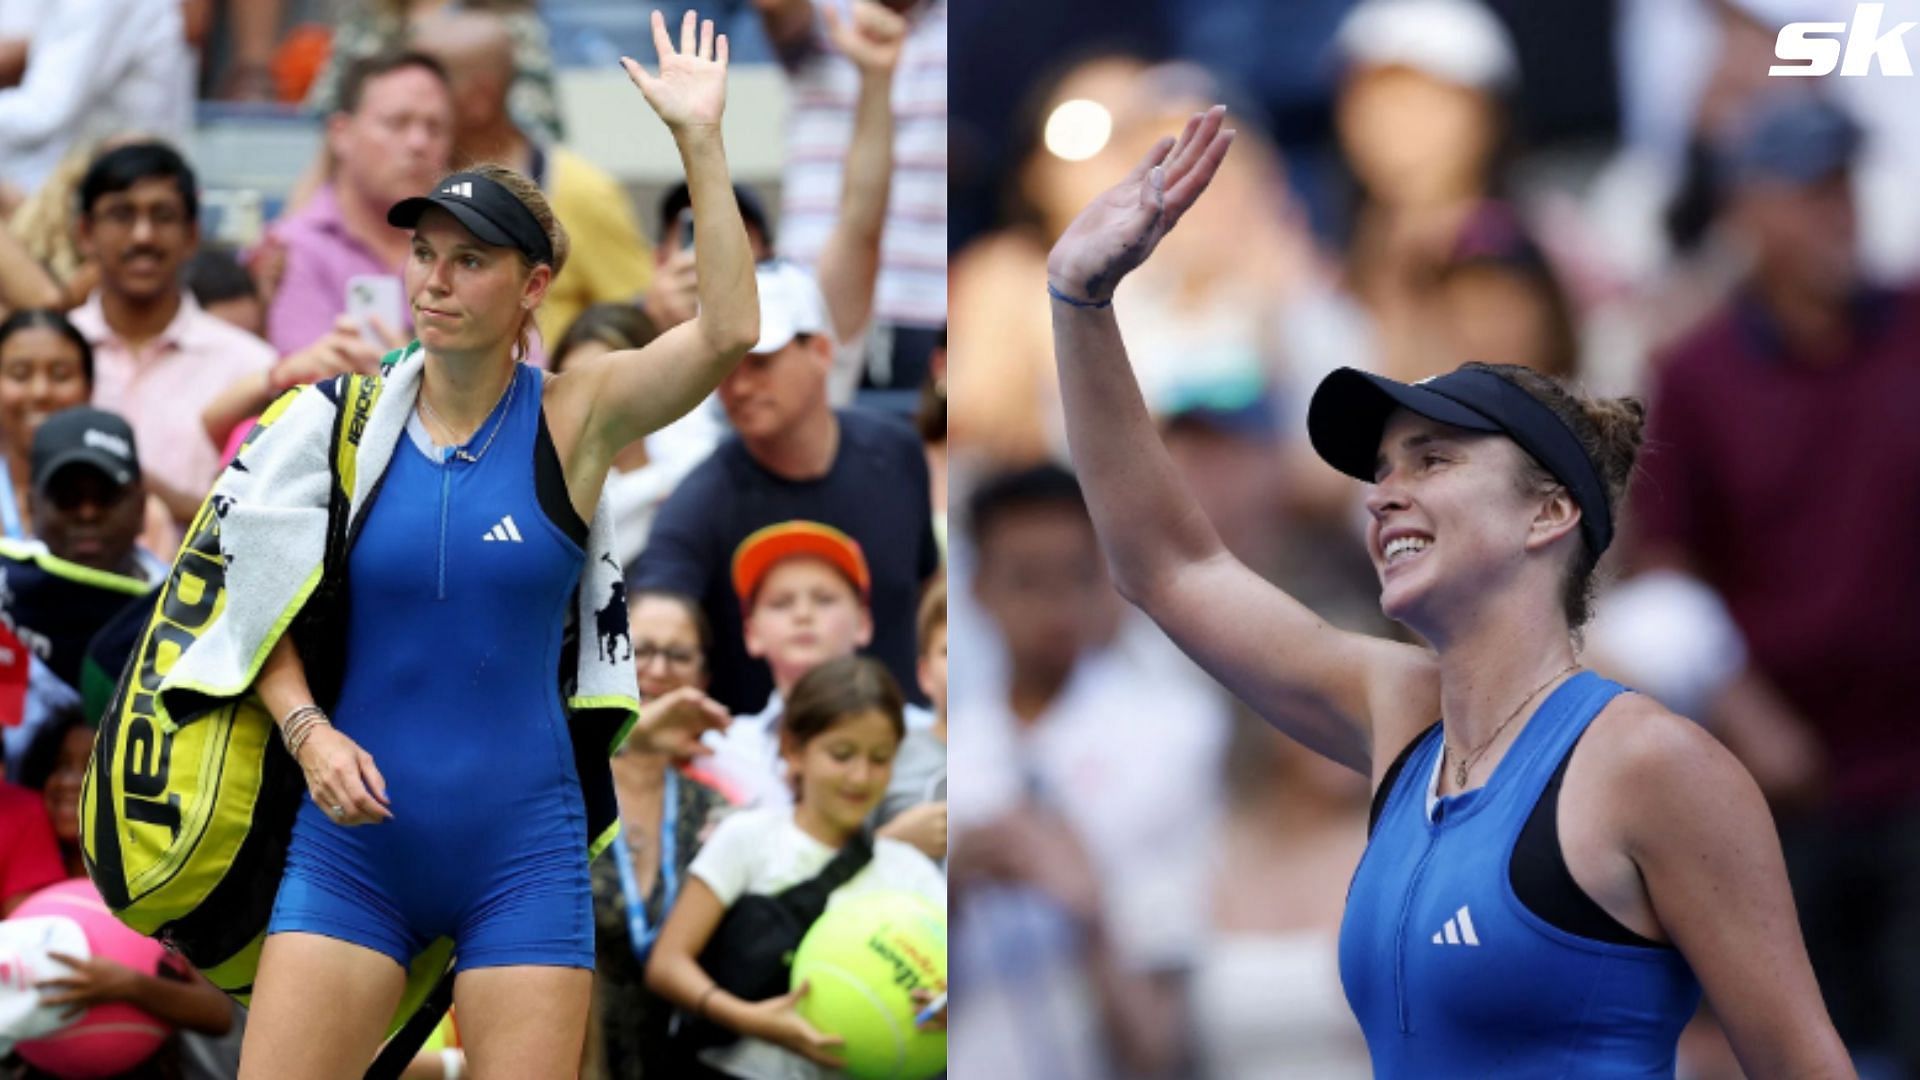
x=9, y=507
x=641, y=935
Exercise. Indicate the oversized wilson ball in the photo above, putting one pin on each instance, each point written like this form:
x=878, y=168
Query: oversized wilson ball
x=862, y=960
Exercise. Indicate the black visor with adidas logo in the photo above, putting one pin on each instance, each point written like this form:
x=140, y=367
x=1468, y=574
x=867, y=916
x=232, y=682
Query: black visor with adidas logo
x=1350, y=409
x=487, y=209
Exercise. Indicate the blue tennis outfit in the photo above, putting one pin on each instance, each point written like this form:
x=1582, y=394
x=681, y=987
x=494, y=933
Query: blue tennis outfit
x=459, y=585
x=1452, y=974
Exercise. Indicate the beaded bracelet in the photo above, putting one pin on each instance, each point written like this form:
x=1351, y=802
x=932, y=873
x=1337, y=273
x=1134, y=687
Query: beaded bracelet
x=1071, y=302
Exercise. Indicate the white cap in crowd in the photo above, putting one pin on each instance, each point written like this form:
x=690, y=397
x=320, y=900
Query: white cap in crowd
x=790, y=304
x=1455, y=41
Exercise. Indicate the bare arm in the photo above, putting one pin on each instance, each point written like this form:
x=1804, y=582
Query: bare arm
x=193, y=1003
x=619, y=397
x=674, y=972
x=24, y=283
x=850, y=259
x=1318, y=684
x=1698, y=830
x=338, y=772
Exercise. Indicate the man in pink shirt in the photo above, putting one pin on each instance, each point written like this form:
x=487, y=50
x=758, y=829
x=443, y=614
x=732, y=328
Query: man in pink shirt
x=391, y=139
x=158, y=358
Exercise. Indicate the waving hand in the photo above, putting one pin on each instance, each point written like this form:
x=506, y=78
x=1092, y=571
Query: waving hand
x=1118, y=230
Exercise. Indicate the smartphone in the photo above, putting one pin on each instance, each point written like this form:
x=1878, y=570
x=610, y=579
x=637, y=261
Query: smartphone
x=371, y=295
x=686, y=230
x=233, y=217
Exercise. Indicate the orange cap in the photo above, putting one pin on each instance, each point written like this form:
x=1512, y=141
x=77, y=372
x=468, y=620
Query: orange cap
x=760, y=552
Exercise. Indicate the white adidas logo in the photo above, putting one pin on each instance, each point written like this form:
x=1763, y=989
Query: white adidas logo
x=504, y=529
x=1458, y=931
x=464, y=189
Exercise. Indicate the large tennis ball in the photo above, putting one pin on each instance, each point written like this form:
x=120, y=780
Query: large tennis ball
x=107, y=1039
x=862, y=960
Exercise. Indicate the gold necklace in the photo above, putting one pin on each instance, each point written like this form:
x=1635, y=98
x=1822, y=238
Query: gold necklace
x=459, y=448
x=1462, y=765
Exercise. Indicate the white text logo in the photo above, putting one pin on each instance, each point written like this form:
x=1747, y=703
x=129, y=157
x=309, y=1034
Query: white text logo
x=1816, y=46
x=464, y=189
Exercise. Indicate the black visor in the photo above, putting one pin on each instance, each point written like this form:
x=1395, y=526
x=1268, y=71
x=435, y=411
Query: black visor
x=1350, y=409
x=487, y=209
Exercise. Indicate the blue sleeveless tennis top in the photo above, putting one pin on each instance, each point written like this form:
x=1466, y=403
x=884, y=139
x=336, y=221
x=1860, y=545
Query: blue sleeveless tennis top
x=1451, y=975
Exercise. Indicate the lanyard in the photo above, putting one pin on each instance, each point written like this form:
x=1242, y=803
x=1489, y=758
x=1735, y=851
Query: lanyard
x=9, y=506
x=641, y=935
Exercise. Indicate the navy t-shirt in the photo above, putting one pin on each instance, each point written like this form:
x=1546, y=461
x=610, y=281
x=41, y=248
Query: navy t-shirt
x=875, y=491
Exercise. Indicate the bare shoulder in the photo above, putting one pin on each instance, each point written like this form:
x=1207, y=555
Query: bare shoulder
x=1662, y=774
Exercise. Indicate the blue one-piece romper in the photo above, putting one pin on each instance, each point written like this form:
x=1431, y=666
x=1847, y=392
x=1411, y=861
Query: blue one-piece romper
x=459, y=585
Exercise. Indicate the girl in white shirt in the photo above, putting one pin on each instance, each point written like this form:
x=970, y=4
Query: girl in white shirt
x=838, y=737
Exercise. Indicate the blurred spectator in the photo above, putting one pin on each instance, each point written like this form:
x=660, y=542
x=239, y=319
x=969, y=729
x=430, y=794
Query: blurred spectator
x=88, y=501
x=391, y=138
x=253, y=31
x=158, y=358
x=1087, y=719
x=1047, y=994
x=1499, y=299
x=1777, y=430
x=795, y=457
x=920, y=769
x=93, y=68
x=838, y=739
x=930, y=416
x=225, y=290
x=849, y=260
x=911, y=300
x=670, y=298
x=664, y=816
x=647, y=471
x=1266, y=998
x=374, y=27
x=1201, y=328
x=177, y=995
x=29, y=853
x=609, y=260
x=45, y=366
x=1422, y=122
x=804, y=590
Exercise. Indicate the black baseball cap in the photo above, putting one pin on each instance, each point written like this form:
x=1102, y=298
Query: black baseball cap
x=84, y=435
x=1350, y=409
x=487, y=209
x=678, y=198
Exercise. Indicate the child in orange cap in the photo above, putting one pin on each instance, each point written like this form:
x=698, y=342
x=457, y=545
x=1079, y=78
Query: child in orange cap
x=804, y=589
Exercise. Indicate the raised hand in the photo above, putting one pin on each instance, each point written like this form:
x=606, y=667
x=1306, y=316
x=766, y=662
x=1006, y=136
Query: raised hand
x=691, y=89
x=871, y=35
x=1118, y=230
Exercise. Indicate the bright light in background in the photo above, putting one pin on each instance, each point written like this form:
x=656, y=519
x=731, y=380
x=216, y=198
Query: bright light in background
x=1078, y=129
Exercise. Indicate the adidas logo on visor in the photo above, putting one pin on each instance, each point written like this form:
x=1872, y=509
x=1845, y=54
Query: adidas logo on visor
x=503, y=530
x=464, y=189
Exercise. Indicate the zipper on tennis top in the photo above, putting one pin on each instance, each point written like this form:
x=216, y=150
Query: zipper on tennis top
x=446, y=484
x=1406, y=913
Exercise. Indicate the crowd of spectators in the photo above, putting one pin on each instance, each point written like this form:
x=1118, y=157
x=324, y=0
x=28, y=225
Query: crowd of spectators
x=772, y=540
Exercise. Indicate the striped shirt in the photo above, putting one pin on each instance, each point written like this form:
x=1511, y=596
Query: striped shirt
x=912, y=290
